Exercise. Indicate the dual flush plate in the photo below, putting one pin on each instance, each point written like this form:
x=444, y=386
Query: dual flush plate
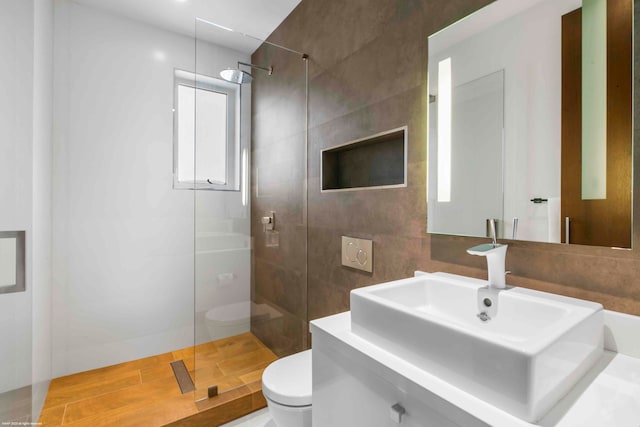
x=357, y=253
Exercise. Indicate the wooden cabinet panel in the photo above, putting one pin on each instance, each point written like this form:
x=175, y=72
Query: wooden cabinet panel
x=598, y=222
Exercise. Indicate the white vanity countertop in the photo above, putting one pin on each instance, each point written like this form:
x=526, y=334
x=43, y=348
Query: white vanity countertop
x=608, y=395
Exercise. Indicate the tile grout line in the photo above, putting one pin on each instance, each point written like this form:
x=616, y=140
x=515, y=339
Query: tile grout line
x=64, y=414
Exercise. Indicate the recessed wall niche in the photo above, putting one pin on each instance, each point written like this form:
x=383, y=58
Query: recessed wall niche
x=12, y=261
x=377, y=161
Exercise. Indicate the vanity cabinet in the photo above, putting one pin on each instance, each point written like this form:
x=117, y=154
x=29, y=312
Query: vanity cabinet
x=360, y=382
x=352, y=389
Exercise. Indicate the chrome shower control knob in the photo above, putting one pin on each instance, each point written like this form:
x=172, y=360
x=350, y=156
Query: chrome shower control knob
x=268, y=221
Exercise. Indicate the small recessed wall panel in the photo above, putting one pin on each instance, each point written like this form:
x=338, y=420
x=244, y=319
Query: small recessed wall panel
x=373, y=162
x=12, y=261
x=357, y=253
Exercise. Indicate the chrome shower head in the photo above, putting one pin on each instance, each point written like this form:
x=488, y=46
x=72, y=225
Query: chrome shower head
x=236, y=75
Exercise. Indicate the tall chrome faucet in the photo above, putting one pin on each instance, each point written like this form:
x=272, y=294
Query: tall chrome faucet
x=496, y=254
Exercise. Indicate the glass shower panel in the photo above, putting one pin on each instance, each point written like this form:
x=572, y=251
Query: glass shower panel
x=250, y=208
x=123, y=228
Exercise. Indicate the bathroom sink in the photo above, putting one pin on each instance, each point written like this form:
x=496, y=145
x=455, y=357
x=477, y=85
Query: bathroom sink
x=517, y=349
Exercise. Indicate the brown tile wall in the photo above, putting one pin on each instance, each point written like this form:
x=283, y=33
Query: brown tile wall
x=279, y=276
x=367, y=68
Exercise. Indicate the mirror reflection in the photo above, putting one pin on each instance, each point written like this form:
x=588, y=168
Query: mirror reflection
x=530, y=122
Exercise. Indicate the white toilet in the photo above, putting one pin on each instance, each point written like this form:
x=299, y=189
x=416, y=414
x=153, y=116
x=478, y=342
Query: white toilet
x=286, y=384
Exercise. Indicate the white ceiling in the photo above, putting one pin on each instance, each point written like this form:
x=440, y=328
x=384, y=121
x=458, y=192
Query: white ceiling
x=257, y=18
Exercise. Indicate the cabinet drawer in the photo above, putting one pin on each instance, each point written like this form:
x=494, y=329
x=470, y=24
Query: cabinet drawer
x=348, y=392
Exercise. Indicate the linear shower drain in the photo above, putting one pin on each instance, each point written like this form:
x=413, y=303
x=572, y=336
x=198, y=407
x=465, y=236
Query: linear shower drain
x=182, y=376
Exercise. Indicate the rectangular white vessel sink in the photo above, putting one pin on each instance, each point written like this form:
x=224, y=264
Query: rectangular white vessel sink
x=533, y=348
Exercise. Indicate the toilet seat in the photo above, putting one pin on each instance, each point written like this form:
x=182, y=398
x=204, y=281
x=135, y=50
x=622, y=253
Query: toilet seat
x=287, y=381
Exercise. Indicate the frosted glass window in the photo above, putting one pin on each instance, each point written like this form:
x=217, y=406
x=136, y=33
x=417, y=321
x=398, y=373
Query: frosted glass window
x=202, y=119
x=206, y=133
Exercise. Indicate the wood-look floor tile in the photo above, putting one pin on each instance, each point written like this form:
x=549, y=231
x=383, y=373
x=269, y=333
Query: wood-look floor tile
x=52, y=416
x=211, y=347
x=60, y=395
x=156, y=414
x=209, y=367
x=255, y=386
x=219, y=414
x=157, y=372
x=223, y=399
x=253, y=376
x=185, y=353
x=236, y=346
x=109, y=372
x=258, y=401
x=124, y=399
x=246, y=362
x=190, y=363
x=144, y=392
x=211, y=375
x=224, y=384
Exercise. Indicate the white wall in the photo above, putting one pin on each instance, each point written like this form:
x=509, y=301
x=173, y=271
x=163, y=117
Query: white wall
x=26, y=30
x=527, y=46
x=16, y=165
x=123, y=239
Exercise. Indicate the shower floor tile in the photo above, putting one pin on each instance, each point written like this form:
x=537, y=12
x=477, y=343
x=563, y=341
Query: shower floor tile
x=145, y=392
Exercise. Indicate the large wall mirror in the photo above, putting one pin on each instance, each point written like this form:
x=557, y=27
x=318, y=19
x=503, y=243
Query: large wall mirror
x=530, y=122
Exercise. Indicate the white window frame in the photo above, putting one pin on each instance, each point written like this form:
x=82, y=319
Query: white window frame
x=232, y=91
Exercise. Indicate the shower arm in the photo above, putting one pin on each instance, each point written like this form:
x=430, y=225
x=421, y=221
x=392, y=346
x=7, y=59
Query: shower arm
x=268, y=70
